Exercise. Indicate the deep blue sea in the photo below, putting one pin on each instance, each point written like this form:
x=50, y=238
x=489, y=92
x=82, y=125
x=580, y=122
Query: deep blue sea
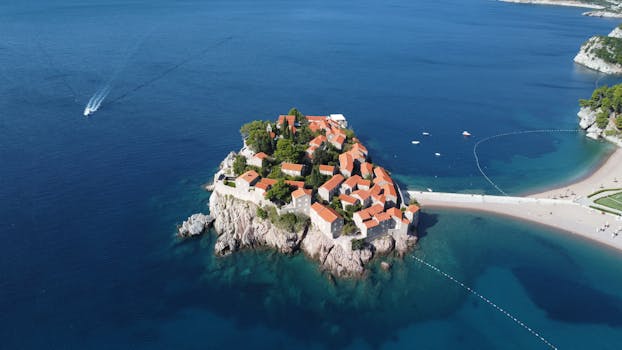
x=89, y=206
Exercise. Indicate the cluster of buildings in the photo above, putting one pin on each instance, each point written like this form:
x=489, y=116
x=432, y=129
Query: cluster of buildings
x=355, y=182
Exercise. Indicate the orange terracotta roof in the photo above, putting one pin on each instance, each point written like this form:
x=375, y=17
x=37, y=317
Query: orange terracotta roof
x=264, y=183
x=365, y=183
x=413, y=208
x=389, y=190
x=340, y=139
x=300, y=192
x=291, y=119
x=363, y=214
x=361, y=194
x=318, y=140
x=381, y=172
x=383, y=216
x=325, y=213
x=333, y=182
x=366, y=169
x=327, y=168
x=261, y=155
x=352, y=181
x=396, y=213
x=375, y=209
x=314, y=127
x=345, y=162
x=359, y=147
x=312, y=118
x=375, y=189
x=370, y=223
x=347, y=199
x=297, y=184
x=272, y=134
x=249, y=176
x=405, y=221
x=291, y=166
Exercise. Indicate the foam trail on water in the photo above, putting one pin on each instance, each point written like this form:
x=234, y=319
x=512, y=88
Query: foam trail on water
x=95, y=102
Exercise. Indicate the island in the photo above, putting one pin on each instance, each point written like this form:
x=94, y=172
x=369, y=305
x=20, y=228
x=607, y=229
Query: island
x=599, y=8
x=601, y=115
x=307, y=184
x=602, y=53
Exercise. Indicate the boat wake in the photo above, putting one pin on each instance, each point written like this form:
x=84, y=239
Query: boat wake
x=96, y=100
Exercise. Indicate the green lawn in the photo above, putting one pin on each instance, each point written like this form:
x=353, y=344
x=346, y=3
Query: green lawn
x=613, y=201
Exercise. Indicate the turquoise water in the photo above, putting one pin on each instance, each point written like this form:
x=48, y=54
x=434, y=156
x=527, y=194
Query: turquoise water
x=88, y=206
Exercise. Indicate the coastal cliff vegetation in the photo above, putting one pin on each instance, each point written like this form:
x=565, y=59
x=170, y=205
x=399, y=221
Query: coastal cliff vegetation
x=607, y=48
x=606, y=102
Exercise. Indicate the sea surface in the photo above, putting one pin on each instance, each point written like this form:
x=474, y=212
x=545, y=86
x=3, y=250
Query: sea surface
x=89, y=206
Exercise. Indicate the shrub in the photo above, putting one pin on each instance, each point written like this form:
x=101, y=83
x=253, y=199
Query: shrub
x=358, y=244
x=261, y=213
x=239, y=165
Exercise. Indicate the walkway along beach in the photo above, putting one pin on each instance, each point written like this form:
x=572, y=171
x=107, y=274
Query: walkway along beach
x=566, y=208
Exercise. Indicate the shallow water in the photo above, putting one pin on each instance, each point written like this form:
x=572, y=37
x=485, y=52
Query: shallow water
x=88, y=206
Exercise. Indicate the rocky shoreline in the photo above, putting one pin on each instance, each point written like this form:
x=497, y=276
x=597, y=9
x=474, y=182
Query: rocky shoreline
x=238, y=228
x=587, y=54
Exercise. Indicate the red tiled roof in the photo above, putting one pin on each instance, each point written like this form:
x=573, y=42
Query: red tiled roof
x=361, y=194
x=396, y=213
x=347, y=199
x=249, y=176
x=325, y=213
x=291, y=119
x=365, y=183
x=300, y=192
x=312, y=118
x=381, y=172
x=363, y=214
x=413, y=208
x=318, y=140
x=374, y=209
x=261, y=155
x=359, y=147
x=327, y=168
x=370, y=223
x=345, y=162
x=366, y=169
x=264, y=183
x=352, y=181
x=333, y=182
x=389, y=190
x=375, y=189
x=340, y=139
x=291, y=166
x=297, y=184
x=383, y=216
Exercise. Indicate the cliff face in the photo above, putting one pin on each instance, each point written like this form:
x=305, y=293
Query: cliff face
x=238, y=227
x=588, y=58
x=587, y=122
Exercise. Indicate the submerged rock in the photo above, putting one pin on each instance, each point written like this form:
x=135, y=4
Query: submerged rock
x=385, y=266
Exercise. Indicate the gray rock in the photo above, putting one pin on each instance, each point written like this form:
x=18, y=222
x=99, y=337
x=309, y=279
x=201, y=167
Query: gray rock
x=384, y=244
x=194, y=225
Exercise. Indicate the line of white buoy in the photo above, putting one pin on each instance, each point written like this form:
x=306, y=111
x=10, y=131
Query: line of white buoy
x=488, y=301
x=475, y=155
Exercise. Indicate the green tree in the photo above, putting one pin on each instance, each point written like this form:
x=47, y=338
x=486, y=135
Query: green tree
x=300, y=118
x=602, y=119
x=619, y=122
x=287, y=151
x=280, y=193
x=239, y=164
x=315, y=179
x=257, y=137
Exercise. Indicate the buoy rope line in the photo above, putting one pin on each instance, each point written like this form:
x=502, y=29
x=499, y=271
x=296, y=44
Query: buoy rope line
x=476, y=156
x=488, y=301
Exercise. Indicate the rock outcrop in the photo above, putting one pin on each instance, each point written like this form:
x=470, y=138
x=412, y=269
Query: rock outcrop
x=238, y=227
x=194, y=225
x=588, y=58
x=587, y=122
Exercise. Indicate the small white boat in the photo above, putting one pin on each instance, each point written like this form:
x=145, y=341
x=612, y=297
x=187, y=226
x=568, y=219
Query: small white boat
x=437, y=154
x=87, y=111
x=429, y=189
x=466, y=133
x=415, y=142
x=425, y=133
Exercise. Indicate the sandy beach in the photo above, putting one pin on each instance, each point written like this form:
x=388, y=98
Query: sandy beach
x=608, y=175
x=569, y=3
x=565, y=208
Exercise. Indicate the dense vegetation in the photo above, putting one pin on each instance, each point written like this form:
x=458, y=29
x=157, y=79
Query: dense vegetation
x=606, y=101
x=280, y=193
x=610, y=49
x=289, y=222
